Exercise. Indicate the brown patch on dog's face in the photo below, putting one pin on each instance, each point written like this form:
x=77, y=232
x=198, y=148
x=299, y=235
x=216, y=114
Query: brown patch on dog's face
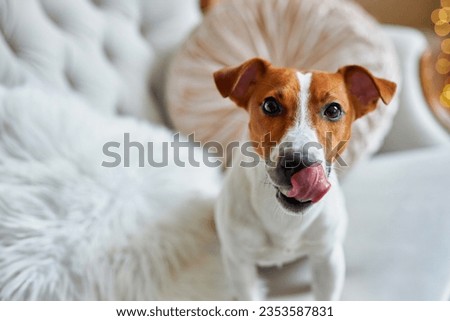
x=266, y=130
x=326, y=89
x=356, y=91
x=250, y=85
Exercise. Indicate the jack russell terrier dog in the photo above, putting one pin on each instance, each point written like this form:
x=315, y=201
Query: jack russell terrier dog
x=290, y=205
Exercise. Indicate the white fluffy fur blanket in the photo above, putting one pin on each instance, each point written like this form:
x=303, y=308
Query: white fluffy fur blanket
x=72, y=229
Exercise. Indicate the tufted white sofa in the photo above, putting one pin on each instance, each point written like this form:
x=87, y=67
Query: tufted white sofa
x=105, y=51
x=108, y=58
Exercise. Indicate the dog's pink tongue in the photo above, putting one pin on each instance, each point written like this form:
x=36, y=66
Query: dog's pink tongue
x=309, y=184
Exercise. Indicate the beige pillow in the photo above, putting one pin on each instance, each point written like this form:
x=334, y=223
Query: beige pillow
x=306, y=34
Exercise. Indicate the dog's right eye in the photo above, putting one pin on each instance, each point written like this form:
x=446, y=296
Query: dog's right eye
x=271, y=107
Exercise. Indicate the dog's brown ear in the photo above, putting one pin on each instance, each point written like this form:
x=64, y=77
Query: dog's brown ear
x=237, y=82
x=365, y=89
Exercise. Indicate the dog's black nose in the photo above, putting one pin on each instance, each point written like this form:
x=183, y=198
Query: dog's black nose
x=291, y=161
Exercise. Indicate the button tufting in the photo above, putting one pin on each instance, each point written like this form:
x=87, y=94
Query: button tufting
x=11, y=44
x=143, y=30
x=54, y=19
x=96, y=3
x=90, y=47
x=108, y=52
x=70, y=80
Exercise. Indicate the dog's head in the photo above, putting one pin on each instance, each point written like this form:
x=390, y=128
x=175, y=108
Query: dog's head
x=294, y=115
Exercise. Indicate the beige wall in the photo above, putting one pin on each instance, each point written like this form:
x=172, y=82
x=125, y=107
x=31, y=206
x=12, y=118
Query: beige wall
x=414, y=13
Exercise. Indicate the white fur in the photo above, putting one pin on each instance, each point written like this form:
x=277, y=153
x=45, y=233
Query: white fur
x=302, y=132
x=72, y=229
x=303, y=99
x=255, y=230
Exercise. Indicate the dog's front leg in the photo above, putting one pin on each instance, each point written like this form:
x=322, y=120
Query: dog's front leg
x=328, y=273
x=243, y=276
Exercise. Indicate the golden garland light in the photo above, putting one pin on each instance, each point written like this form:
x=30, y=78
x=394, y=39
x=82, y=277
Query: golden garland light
x=441, y=20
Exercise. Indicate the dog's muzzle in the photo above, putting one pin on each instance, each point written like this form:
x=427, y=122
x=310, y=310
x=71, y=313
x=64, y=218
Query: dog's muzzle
x=300, y=180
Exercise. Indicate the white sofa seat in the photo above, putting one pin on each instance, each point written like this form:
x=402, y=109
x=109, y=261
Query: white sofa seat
x=398, y=241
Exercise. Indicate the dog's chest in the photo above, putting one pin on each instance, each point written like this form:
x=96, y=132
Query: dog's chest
x=278, y=250
x=281, y=236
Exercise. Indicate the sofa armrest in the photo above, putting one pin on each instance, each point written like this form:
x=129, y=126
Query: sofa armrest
x=414, y=125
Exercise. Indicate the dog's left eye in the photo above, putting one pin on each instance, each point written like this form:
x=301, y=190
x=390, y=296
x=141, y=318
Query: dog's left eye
x=333, y=111
x=271, y=107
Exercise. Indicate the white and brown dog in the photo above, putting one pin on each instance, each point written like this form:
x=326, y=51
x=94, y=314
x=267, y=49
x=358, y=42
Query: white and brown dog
x=302, y=211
